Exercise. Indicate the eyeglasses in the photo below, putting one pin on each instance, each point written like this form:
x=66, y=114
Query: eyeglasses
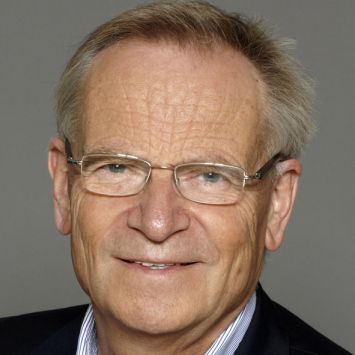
x=203, y=182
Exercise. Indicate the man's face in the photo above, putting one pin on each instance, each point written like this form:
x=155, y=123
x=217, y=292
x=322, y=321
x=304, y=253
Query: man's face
x=169, y=106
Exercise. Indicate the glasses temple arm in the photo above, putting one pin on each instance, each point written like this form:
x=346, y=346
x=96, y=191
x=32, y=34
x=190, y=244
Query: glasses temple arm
x=269, y=165
x=69, y=153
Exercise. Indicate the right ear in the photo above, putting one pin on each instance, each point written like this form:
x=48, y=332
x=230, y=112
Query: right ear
x=58, y=169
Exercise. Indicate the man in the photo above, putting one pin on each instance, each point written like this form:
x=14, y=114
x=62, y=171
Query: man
x=175, y=169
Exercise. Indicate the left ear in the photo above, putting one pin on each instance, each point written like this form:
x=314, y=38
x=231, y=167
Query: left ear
x=281, y=203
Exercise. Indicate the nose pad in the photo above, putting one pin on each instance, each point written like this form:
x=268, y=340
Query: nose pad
x=160, y=211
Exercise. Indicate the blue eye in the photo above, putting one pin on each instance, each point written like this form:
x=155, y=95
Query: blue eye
x=211, y=177
x=116, y=168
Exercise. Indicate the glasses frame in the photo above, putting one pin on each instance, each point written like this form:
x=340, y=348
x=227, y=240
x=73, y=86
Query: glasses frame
x=259, y=175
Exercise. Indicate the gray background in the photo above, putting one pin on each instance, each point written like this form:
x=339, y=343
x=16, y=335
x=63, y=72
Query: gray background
x=313, y=274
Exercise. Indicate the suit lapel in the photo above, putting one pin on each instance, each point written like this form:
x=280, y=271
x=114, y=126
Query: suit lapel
x=64, y=341
x=264, y=336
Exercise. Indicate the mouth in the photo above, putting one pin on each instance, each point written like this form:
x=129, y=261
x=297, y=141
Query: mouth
x=156, y=266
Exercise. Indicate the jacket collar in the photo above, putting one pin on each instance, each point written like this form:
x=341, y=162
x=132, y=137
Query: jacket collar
x=264, y=335
x=64, y=341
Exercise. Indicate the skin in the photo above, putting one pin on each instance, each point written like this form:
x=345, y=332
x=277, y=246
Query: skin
x=177, y=105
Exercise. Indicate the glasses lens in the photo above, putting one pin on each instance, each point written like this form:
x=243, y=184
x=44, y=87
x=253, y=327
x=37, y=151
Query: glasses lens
x=114, y=175
x=210, y=183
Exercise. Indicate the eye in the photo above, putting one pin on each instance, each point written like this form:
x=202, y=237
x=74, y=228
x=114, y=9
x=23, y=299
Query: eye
x=211, y=177
x=116, y=168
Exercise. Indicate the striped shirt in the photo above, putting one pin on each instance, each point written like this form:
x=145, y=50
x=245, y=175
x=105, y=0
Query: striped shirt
x=226, y=344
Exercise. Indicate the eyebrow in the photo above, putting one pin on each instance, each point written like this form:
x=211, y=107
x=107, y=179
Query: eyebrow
x=100, y=149
x=218, y=158
x=214, y=157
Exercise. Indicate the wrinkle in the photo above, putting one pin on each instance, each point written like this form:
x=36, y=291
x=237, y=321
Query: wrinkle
x=168, y=110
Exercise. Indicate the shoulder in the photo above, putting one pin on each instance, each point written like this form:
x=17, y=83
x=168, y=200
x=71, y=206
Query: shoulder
x=26, y=332
x=304, y=339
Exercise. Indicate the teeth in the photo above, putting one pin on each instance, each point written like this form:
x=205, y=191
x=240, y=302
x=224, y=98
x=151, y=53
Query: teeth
x=159, y=267
x=154, y=266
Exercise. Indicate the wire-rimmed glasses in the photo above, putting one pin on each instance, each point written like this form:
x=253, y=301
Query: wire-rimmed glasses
x=204, y=182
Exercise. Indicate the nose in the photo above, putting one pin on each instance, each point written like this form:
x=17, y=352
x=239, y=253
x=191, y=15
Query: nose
x=160, y=211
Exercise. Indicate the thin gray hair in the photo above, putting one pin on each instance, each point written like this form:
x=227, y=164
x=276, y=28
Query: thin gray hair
x=289, y=91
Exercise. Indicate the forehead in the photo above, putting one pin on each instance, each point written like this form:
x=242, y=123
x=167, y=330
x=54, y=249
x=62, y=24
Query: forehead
x=158, y=100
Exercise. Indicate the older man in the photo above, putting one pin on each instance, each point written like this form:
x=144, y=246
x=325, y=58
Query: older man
x=174, y=170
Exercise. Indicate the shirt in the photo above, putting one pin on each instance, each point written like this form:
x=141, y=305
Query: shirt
x=226, y=343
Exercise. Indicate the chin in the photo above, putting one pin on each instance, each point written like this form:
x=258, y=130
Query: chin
x=155, y=316
x=160, y=325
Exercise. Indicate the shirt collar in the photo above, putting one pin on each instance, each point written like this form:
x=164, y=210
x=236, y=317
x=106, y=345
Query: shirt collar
x=226, y=343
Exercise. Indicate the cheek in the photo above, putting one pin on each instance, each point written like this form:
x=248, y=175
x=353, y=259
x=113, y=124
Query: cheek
x=93, y=219
x=237, y=235
x=234, y=229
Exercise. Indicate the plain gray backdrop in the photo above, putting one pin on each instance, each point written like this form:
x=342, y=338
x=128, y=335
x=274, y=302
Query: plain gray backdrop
x=313, y=273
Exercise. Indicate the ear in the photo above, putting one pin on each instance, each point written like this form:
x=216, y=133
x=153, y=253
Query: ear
x=58, y=170
x=282, y=200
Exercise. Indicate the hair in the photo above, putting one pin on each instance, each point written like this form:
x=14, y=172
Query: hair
x=198, y=24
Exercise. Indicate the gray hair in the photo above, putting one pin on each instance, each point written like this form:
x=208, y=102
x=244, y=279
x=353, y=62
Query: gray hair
x=198, y=24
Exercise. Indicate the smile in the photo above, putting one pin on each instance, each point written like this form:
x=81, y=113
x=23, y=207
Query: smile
x=156, y=266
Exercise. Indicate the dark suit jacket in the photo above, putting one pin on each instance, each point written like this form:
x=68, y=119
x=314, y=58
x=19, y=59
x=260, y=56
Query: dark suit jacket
x=273, y=331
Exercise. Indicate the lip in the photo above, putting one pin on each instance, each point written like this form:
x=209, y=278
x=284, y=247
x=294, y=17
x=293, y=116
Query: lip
x=155, y=266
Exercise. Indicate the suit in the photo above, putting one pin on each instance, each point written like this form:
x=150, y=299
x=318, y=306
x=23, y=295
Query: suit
x=273, y=331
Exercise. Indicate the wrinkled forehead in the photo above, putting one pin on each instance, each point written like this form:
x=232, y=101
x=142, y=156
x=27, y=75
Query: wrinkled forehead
x=161, y=100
